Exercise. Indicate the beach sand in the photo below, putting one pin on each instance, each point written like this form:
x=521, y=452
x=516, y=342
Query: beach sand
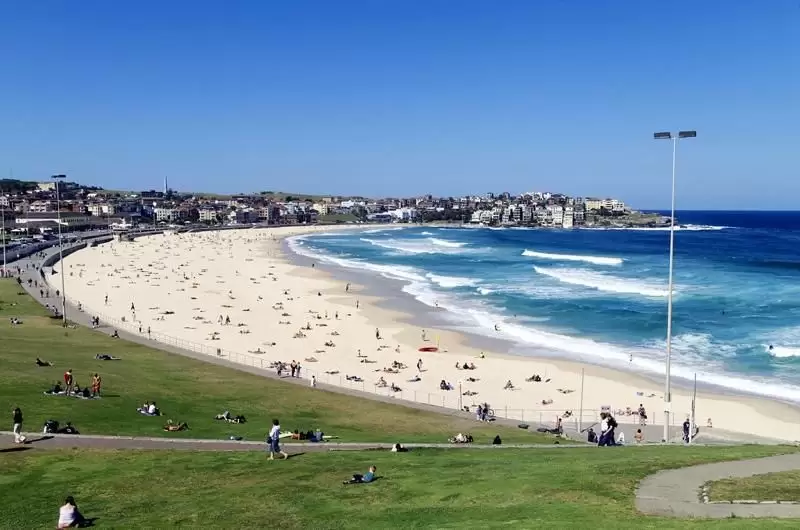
x=186, y=286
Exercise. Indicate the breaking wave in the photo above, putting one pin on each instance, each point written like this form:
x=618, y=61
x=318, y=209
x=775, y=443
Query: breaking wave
x=597, y=260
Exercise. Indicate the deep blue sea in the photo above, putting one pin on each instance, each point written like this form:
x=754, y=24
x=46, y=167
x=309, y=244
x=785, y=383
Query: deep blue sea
x=601, y=295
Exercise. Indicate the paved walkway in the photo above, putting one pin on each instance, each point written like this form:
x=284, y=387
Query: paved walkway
x=676, y=493
x=62, y=441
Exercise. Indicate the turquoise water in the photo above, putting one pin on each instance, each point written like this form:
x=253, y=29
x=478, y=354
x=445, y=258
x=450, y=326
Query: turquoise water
x=601, y=295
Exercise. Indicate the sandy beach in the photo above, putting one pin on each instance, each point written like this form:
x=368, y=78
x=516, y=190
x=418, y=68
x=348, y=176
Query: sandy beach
x=236, y=291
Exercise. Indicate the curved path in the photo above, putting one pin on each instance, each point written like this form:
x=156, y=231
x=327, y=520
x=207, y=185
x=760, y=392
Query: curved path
x=677, y=492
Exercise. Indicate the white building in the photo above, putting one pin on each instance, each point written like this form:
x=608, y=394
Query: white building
x=569, y=217
x=556, y=214
x=207, y=215
x=100, y=209
x=42, y=206
x=165, y=214
x=405, y=215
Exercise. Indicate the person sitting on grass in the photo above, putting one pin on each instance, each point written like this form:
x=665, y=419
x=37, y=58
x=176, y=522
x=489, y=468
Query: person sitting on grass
x=366, y=478
x=69, y=516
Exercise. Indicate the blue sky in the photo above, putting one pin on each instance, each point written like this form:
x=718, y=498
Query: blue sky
x=404, y=97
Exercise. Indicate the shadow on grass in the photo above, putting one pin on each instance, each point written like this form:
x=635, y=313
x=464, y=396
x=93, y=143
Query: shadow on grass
x=15, y=449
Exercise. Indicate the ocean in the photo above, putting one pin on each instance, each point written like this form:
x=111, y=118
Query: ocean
x=600, y=295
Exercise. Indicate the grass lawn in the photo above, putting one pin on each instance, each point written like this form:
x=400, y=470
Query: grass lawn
x=337, y=218
x=783, y=486
x=550, y=488
x=187, y=390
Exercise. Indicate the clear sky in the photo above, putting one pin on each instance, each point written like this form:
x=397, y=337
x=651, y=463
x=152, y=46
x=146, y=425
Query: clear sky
x=405, y=97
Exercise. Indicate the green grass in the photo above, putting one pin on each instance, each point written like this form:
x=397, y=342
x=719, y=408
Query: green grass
x=188, y=390
x=563, y=488
x=337, y=218
x=783, y=486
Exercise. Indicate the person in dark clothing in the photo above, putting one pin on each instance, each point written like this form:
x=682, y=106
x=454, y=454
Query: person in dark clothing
x=17, y=419
x=591, y=437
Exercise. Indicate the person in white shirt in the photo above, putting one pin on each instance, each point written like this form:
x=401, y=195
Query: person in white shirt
x=68, y=514
x=313, y=381
x=152, y=409
x=273, y=440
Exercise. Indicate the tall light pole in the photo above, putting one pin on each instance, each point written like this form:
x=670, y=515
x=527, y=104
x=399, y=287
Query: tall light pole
x=57, y=178
x=5, y=233
x=675, y=137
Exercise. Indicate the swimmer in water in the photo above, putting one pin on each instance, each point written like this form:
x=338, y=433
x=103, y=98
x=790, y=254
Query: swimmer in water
x=770, y=347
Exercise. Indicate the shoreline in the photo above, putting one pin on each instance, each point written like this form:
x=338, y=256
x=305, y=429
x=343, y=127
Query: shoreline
x=773, y=407
x=194, y=258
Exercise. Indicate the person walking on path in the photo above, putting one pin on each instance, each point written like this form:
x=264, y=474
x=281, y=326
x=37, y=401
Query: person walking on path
x=17, y=418
x=274, y=441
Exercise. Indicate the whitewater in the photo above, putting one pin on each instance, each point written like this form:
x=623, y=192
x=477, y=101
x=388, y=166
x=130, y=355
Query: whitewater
x=599, y=296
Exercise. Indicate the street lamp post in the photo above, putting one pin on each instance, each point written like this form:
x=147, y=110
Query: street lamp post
x=3, y=211
x=58, y=178
x=675, y=137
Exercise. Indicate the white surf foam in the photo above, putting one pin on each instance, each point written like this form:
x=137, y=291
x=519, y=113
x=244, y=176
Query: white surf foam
x=450, y=282
x=426, y=233
x=398, y=272
x=379, y=230
x=417, y=246
x=445, y=243
x=597, y=260
x=782, y=352
x=602, y=282
x=678, y=228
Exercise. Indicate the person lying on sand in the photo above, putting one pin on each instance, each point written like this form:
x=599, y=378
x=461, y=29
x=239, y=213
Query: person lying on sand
x=568, y=391
x=332, y=372
x=415, y=379
x=310, y=359
x=353, y=378
x=535, y=378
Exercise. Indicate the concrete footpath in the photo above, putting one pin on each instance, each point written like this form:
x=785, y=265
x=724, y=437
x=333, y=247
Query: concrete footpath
x=68, y=441
x=678, y=492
